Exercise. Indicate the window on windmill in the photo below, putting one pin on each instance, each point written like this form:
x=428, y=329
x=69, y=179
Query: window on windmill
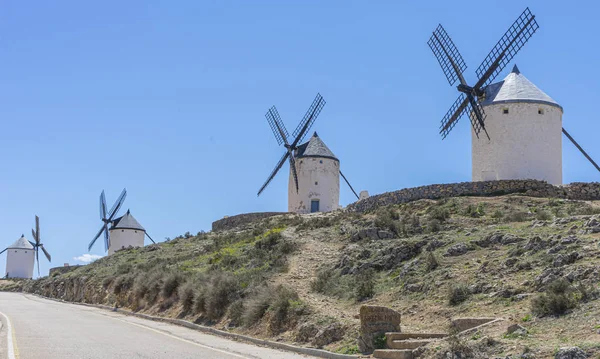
x=505, y=111
x=320, y=161
x=122, y=230
x=316, y=183
x=540, y=111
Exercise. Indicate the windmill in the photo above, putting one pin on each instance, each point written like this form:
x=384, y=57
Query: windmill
x=37, y=244
x=20, y=258
x=473, y=99
x=107, y=217
x=294, y=150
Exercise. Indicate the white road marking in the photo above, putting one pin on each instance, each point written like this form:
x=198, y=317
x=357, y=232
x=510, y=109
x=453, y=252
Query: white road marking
x=9, y=338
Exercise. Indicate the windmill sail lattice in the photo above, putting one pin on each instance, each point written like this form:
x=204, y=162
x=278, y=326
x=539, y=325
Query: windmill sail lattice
x=282, y=137
x=107, y=218
x=453, y=66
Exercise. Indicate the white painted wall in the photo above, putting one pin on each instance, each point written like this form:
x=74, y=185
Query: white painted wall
x=523, y=143
x=19, y=262
x=123, y=238
x=318, y=178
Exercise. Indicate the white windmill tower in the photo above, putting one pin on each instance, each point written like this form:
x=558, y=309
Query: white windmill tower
x=20, y=259
x=522, y=124
x=525, y=126
x=123, y=232
x=314, y=182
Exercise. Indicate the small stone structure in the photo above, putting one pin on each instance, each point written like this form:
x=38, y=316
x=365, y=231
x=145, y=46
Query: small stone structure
x=575, y=191
x=376, y=321
x=241, y=219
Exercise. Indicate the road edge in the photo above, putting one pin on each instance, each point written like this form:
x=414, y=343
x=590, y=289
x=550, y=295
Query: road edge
x=319, y=353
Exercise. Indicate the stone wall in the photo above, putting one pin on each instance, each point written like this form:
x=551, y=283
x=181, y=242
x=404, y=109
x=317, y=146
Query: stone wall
x=62, y=270
x=241, y=219
x=533, y=188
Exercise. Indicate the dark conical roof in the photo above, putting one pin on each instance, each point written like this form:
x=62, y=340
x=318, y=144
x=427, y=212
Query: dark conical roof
x=315, y=147
x=127, y=222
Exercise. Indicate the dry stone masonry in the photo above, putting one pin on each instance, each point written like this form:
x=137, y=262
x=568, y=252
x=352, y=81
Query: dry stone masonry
x=241, y=219
x=533, y=188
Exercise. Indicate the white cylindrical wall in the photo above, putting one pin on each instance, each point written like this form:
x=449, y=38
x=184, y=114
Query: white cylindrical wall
x=19, y=262
x=318, y=179
x=525, y=143
x=123, y=238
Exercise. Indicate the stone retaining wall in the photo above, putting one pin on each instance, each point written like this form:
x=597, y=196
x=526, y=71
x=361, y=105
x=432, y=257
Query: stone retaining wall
x=533, y=188
x=62, y=270
x=240, y=219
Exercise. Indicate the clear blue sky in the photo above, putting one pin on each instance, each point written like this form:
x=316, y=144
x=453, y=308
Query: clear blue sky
x=168, y=99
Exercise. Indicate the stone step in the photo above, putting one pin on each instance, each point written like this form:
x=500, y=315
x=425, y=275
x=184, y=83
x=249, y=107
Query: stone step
x=393, y=354
x=462, y=324
x=404, y=336
x=408, y=344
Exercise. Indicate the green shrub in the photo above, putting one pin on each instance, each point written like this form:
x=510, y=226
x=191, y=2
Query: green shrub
x=458, y=293
x=171, y=284
x=433, y=225
x=379, y=341
x=186, y=293
x=200, y=301
x=364, y=285
x=320, y=282
x=438, y=213
x=557, y=299
x=543, y=215
x=516, y=216
x=256, y=306
x=475, y=211
x=431, y=262
x=122, y=284
x=221, y=292
x=236, y=312
x=280, y=307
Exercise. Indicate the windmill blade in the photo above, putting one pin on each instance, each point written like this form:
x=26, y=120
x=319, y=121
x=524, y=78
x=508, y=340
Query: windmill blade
x=477, y=116
x=106, y=238
x=95, y=238
x=293, y=167
x=4, y=250
x=32, y=243
x=279, y=130
x=102, y=206
x=447, y=54
x=37, y=230
x=117, y=205
x=279, y=164
x=311, y=115
x=506, y=48
x=46, y=253
x=456, y=111
x=349, y=185
x=150, y=238
x=580, y=149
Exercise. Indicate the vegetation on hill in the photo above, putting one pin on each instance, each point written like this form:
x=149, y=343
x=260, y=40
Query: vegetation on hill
x=301, y=279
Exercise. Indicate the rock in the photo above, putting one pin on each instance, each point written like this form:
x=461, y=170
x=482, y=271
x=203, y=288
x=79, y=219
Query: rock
x=374, y=321
x=306, y=332
x=556, y=249
x=564, y=259
x=569, y=240
x=516, y=328
x=329, y=334
x=570, y=353
x=457, y=250
x=414, y=288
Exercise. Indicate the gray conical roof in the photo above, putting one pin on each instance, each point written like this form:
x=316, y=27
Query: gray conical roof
x=21, y=243
x=315, y=147
x=516, y=88
x=127, y=222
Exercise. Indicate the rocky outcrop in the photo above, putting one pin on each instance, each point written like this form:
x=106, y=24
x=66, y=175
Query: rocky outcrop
x=241, y=219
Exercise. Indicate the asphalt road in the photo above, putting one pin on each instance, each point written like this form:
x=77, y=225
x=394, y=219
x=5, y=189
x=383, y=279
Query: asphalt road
x=46, y=329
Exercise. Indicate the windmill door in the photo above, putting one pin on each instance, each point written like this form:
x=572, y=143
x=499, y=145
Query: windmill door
x=314, y=206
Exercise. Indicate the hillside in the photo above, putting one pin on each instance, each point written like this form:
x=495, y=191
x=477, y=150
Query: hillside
x=302, y=278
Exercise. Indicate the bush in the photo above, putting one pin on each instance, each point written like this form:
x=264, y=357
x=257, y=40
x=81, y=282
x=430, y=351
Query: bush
x=236, y=312
x=221, y=292
x=475, y=211
x=257, y=305
x=543, y=215
x=516, y=216
x=171, y=284
x=200, y=301
x=458, y=293
x=433, y=225
x=280, y=307
x=186, y=295
x=365, y=285
x=557, y=299
x=122, y=284
x=438, y=213
x=431, y=262
x=320, y=283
